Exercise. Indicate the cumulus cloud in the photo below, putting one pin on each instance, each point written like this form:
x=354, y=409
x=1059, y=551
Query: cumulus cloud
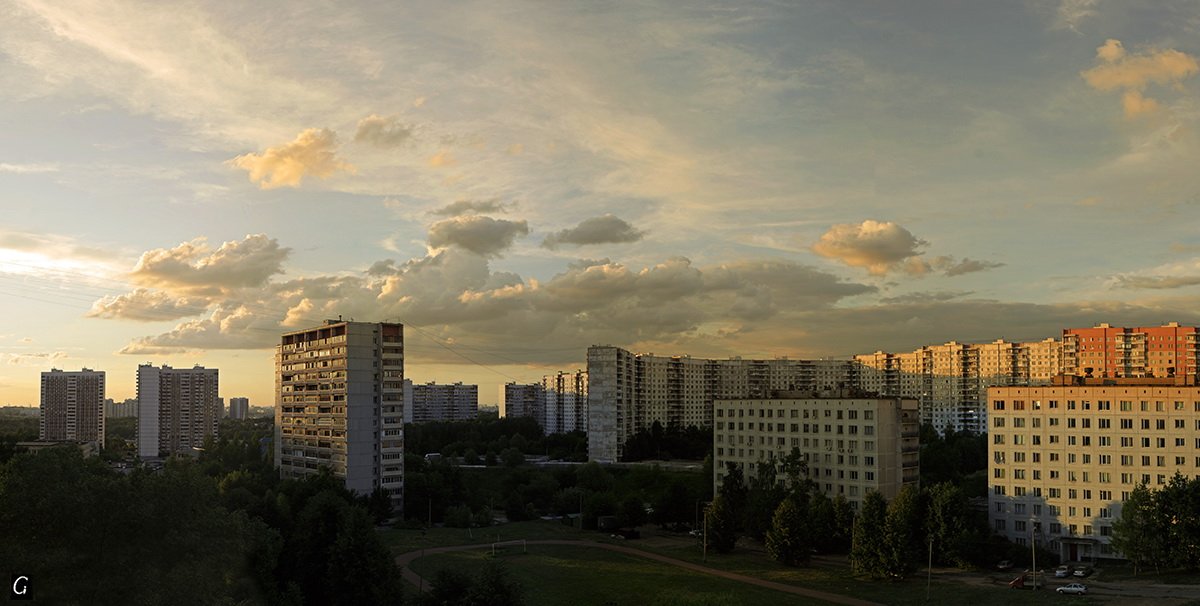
x=192, y=267
x=955, y=267
x=147, y=306
x=1132, y=74
x=481, y=235
x=464, y=207
x=313, y=152
x=927, y=297
x=382, y=132
x=878, y=246
x=605, y=229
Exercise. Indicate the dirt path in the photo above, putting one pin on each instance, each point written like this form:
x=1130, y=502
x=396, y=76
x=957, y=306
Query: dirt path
x=405, y=559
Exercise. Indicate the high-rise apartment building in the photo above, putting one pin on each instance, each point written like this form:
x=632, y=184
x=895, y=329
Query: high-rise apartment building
x=434, y=402
x=178, y=409
x=523, y=400
x=339, y=396
x=239, y=408
x=565, y=407
x=951, y=380
x=72, y=406
x=852, y=445
x=120, y=410
x=1064, y=457
x=630, y=392
x=1106, y=351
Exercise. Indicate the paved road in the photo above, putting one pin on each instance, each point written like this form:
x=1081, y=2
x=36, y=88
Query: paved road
x=404, y=560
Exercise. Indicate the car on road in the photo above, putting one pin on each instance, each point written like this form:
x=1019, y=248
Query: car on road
x=1004, y=565
x=1073, y=589
x=1062, y=571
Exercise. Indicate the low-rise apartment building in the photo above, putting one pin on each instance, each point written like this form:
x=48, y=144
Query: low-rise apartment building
x=852, y=445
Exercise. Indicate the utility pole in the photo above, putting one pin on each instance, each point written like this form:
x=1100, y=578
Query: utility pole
x=929, y=571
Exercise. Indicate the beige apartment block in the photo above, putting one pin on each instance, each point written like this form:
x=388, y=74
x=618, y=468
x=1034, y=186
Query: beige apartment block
x=340, y=405
x=852, y=445
x=1063, y=457
x=72, y=406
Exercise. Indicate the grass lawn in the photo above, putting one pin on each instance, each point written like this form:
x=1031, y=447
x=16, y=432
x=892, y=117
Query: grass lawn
x=559, y=574
x=404, y=540
x=545, y=565
x=1123, y=573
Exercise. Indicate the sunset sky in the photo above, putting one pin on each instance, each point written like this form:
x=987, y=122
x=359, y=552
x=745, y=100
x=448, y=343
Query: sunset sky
x=516, y=181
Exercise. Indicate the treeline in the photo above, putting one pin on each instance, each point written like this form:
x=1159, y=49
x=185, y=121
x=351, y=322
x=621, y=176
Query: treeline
x=959, y=457
x=443, y=492
x=486, y=440
x=219, y=530
x=885, y=540
x=1161, y=528
x=671, y=442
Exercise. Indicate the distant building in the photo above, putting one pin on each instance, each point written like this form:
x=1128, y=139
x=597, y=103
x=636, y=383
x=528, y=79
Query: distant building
x=565, y=407
x=178, y=409
x=239, y=408
x=72, y=406
x=628, y=392
x=523, y=400
x=434, y=402
x=1106, y=351
x=1064, y=457
x=852, y=445
x=124, y=409
x=340, y=405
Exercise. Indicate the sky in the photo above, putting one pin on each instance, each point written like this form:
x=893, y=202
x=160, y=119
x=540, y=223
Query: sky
x=181, y=182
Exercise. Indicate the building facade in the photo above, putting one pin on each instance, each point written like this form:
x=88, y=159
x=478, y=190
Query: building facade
x=239, y=408
x=565, y=406
x=1105, y=351
x=339, y=403
x=434, y=402
x=178, y=409
x=72, y=406
x=120, y=410
x=951, y=380
x=630, y=392
x=522, y=400
x=1063, y=457
x=852, y=445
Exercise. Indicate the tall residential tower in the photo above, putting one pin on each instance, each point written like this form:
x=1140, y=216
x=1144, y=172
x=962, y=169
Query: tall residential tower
x=178, y=409
x=339, y=403
x=72, y=406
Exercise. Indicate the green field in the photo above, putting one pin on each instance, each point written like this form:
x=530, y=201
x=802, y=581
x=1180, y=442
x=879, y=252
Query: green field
x=552, y=570
x=559, y=574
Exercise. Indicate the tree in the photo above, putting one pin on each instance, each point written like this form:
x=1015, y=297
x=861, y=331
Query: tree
x=867, y=546
x=720, y=525
x=903, y=535
x=493, y=588
x=1136, y=533
x=733, y=487
x=843, y=524
x=762, y=499
x=632, y=512
x=950, y=524
x=790, y=540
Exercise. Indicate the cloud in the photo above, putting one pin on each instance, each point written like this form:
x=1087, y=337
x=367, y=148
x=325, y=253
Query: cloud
x=193, y=268
x=481, y=235
x=382, y=132
x=952, y=267
x=1131, y=74
x=147, y=306
x=35, y=359
x=1071, y=12
x=28, y=168
x=926, y=297
x=313, y=152
x=463, y=207
x=878, y=246
x=1155, y=282
x=605, y=229
x=442, y=158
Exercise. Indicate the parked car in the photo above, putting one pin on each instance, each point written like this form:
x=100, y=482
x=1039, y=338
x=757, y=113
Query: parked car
x=1004, y=565
x=1073, y=589
x=1062, y=571
x=1083, y=571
